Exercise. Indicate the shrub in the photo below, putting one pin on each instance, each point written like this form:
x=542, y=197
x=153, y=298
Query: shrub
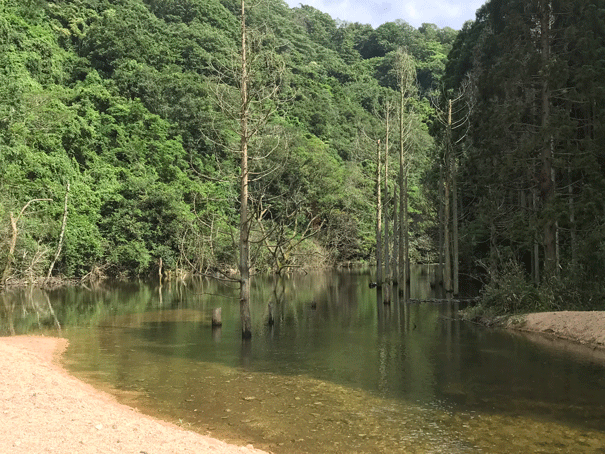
x=510, y=291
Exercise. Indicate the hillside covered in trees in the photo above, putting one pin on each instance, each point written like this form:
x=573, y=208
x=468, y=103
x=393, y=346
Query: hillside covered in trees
x=134, y=104
x=119, y=135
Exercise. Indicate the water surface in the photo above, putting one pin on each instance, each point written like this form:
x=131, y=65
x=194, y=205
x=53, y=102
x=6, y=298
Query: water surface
x=338, y=371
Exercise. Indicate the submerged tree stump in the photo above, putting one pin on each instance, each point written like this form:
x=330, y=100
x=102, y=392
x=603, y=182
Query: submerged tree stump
x=217, y=317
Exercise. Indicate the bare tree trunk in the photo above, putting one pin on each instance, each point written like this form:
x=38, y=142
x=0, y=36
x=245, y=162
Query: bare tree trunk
x=455, y=239
x=454, y=170
x=401, y=279
x=572, y=220
x=536, y=251
x=447, y=278
x=395, y=265
x=244, y=241
x=406, y=74
x=547, y=183
x=447, y=272
x=387, y=255
x=378, y=217
x=387, y=239
x=13, y=242
x=61, y=236
x=493, y=251
x=557, y=247
x=406, y=238
x=11, y=250
x=440, y=266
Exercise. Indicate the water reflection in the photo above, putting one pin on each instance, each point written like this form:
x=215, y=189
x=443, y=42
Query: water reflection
x=338, y=371
x=26, y=310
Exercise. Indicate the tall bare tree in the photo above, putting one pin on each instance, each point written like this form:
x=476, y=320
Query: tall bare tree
x=387, y=246
x=378, y=215
x=257, y=71
x=405, y=70
x=244, y=225
x=547, y=175
x=455, y=117
x=449, y=177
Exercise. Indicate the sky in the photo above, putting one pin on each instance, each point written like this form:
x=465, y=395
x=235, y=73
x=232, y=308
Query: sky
x=443, y=13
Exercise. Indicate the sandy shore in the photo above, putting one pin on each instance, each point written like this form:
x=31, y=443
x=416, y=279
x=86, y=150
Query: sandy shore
x=45, y=410
x=583, y=327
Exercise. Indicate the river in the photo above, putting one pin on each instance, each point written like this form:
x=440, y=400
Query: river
x=338, y=372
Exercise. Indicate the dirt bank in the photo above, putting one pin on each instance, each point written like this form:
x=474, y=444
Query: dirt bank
x=587, y=327
x=45, y=410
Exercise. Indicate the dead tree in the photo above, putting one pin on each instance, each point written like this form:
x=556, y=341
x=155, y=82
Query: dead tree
x=61, y=235
x=13, y=241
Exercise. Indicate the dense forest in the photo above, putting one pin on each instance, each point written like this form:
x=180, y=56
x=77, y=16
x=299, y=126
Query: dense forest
x=134, y=105
x=120, y=128
x=531, y=161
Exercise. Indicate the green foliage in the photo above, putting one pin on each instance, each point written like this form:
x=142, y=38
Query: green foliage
x=119, y=100
x=510, y=291
x=525, y=109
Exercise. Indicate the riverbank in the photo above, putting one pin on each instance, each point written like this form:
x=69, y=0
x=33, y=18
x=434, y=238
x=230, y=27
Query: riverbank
x=582, y=327
x=43, y=409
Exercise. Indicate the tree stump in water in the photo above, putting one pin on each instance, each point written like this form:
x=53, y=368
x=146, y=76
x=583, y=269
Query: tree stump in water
x=217, y=317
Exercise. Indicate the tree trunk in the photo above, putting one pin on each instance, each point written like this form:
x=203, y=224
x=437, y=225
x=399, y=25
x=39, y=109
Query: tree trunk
x=160, y=271
x=572, y=220
x=61, y=236
x=447, y=271
x=455, y=236
x=406, y=238
x=455, y=239
x=547, y=183
x=217, y=317
x=536, y=250
x=378, y=217
x=447, y=277
x=493, y=250
x=244, y=241
x=406, y=74
x=440, y=266
x=13, y=242
x=395, y=237
x=387, y=255
x=401, y=252
x=11, y=250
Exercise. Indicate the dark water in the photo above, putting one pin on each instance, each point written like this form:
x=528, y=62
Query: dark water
x=338, y=372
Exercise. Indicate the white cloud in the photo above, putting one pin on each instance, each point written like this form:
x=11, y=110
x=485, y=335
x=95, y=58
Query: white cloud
x=444, y=13
x=411, y=13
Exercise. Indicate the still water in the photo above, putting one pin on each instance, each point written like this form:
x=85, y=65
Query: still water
x=338, y=372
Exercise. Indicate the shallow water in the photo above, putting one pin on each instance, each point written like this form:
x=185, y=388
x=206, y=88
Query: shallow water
x=338, y=372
